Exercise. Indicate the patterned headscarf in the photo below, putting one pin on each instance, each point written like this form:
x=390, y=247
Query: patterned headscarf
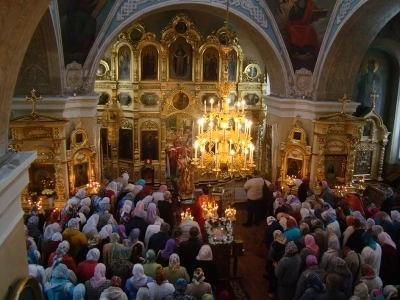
x=333, y=242
x=311, y=260
x=181, y=286
x=198, y=276
x=207, y=297
x=290, y=249
x=314, y=282
x=279, y=237
x=361, y=291
x=34, y=220
x=61, y=272
x=116, y=281
x=174, y=263
x=62, y=248
x=102, y=193
x=160, y=276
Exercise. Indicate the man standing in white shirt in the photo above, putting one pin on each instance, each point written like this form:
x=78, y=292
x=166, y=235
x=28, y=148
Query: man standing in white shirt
x=253, y=188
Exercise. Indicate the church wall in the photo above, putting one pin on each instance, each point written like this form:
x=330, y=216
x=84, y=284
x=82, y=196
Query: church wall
x=13, y=259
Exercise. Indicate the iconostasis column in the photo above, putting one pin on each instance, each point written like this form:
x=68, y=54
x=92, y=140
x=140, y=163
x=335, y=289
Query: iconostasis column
x=163, y=156
x=136, y=65
x=114, y=62
x=240, y=57
x=164, y=67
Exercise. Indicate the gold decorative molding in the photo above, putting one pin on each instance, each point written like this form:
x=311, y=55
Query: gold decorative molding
x=149, y=125
x=38, y=132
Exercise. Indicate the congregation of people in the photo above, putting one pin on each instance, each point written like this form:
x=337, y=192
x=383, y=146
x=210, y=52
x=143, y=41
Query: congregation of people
x=120, y=244
x=330, y=247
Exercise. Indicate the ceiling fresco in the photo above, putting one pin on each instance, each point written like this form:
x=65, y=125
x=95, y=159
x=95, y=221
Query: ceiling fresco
x=302, y=24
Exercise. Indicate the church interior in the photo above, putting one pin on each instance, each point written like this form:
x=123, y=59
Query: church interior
x=195, y=95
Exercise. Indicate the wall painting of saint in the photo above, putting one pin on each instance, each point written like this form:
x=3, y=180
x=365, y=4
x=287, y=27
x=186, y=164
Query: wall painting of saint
x=124, y=63
x=180, y=60
x=232, y=66
x=210, y=65
x=149, y=59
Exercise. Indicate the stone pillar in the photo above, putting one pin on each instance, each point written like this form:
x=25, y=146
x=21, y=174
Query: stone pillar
x=13, y=178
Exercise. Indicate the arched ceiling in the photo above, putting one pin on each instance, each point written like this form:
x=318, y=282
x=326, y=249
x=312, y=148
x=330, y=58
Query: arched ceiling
x=341, y=61
x=276, y=60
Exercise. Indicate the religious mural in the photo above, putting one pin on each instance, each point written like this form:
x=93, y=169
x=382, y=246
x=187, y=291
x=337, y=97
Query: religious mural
x=80, y=23
x=180, y=101
x=180, y=60
x=124, y=63
x=302, y=24
x=149, y=58
x=149, y=144
x=372, y=76
x=125, y=146
x=210, y=64
x=232, y=66
x=124, y=99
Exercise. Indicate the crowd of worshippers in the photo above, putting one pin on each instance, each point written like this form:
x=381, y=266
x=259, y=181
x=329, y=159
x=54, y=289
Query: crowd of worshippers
x=329, y=248
x=120, y=245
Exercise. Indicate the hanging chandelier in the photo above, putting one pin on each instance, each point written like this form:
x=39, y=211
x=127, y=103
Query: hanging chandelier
x=224, y=139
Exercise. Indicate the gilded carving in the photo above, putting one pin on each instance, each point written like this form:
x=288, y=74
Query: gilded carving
x=38, y=132
x=335, y=147
x=74, y=77
x=127, y=124
x=56, y=133
x=14, y=134
x=334, y=128
x=149, y=125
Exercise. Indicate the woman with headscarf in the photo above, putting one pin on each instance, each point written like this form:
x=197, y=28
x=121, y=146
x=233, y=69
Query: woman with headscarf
x=139, y=206
x=114, y=292
x=292, y=233
x=90, y=228
x=96, y=200
x=59, y=287
x=360, y=292
x=54, y=217
x=311, y=266
x=79, y=292
x=395, y=215
x=359, y=216
x=85, y=269
x=105, y=217
x=304, y=230
x=311, y=248
x=132, y=238
x=75, y=238
x=339, y=267
x=331, y=222
x=50, y=247
x=369, y=277
x=164, y=254
x=34, y=267
x=124, y=213
x=174, y=271
x=204, y=260
x=121, y=232
x=61, y=256
x=138, y=280
x=151, y=265
x=79, y=195
x=320, y=234
x=369, y=224
x=326, y=193
x=276, y=252
x=287, y=272
x=389, y=263
x=315, y=287
x=33, y=229
x=151, y=213
x=97, y=283
x=160, y=287
x=333, y=251
x=48, y=233
x=198, y=287
x=120, y=264
x=143, y=294
x=108, y=248
x=372, y=252
x=391, y=292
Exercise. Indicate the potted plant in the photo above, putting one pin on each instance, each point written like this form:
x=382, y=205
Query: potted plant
x=49, y=193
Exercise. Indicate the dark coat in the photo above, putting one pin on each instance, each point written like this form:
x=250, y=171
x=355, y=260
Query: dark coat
x=188, y=250
x=302, y=191
x=158, y=241
x=137, y=222
x=166, y=212
x=269, y=231
x=355, y=242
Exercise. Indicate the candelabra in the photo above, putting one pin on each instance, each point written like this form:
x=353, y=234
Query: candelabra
x=360, y=187
x=186, y=213
x=92, y=187
x=340, y=190
x=230, y=213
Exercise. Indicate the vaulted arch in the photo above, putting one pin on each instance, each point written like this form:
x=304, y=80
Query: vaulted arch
x=341, y=60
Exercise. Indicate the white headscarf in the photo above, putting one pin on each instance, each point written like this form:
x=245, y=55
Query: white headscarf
x=93, y=254
x=138, y=279
x=86, y=202
x=73, y=223
x=384, y=238
x=205, y=253
x=395, y=215
x=91, y=224
x=106, y=231
x=57, y=237
x=50, y=230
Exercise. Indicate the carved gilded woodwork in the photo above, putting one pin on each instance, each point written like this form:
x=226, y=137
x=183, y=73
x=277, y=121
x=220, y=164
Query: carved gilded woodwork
x=295, y=153
x=81, y=159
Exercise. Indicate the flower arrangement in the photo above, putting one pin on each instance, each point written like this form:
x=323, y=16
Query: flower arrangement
x=219, y=230
x=48, y=192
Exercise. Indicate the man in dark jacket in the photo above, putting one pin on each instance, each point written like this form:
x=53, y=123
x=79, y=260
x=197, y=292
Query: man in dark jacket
x=355, y=242
x=137, y=222
x=188, y=250
x=158, y=240
x=303, y=189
